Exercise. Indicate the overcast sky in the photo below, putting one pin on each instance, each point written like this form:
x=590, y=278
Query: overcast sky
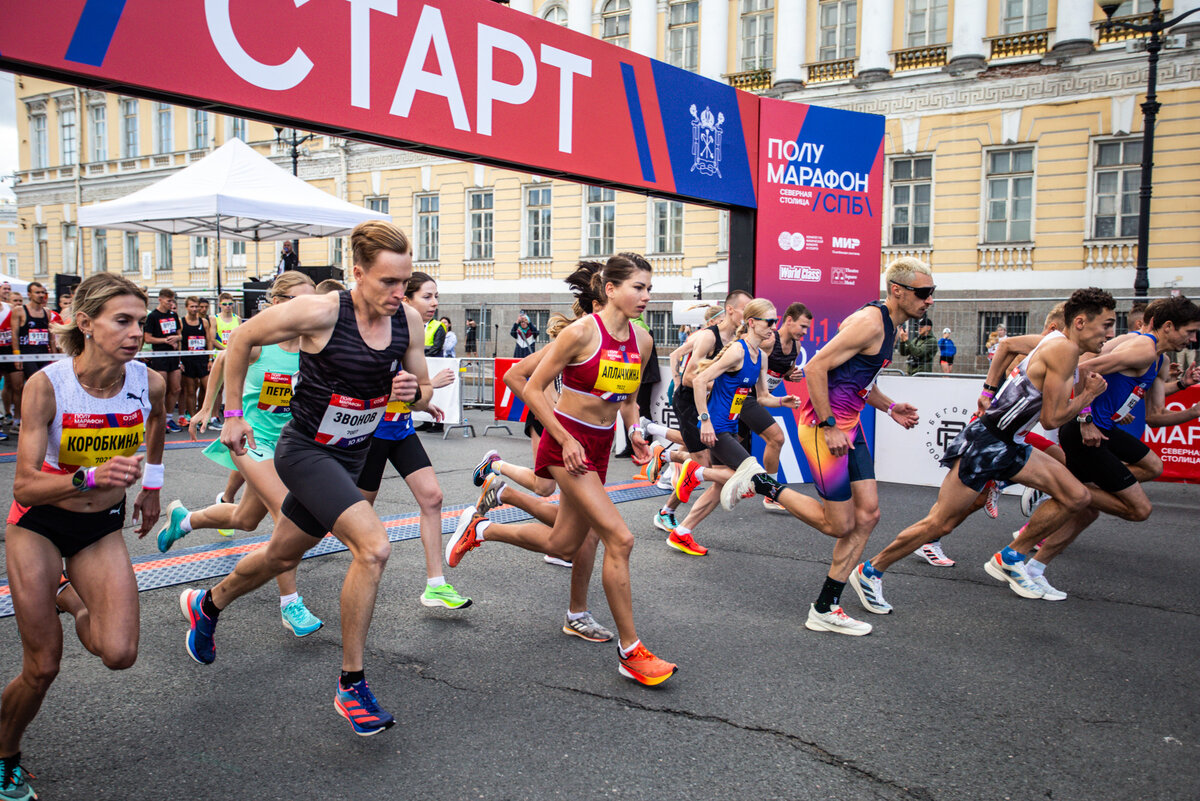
x=8, y=133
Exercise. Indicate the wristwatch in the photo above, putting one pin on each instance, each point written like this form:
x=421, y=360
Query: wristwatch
x=828, y=422
x=704, y=418
x=1084, y=418
x=79, y=480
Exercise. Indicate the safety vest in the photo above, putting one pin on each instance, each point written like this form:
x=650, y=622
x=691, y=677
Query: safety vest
x=431, y=331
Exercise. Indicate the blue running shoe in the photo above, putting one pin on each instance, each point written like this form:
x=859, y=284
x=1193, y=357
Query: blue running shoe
x=171, y=532
x=14, y=781
x=172, y=426
x=298, y=620
x=200, y=645
x=484, y=468
x=357, y=704
x=666, y=521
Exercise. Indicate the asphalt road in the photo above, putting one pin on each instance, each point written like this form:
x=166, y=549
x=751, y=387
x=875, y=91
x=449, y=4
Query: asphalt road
x=965, y=692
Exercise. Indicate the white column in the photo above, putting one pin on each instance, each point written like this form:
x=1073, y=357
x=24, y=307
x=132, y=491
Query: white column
x=579, y=16
x=968, y=51
x=791, y=32
x=714, y=38
x=643, y=27
x=874, y=63
x=525, y=6
x=1073, y=28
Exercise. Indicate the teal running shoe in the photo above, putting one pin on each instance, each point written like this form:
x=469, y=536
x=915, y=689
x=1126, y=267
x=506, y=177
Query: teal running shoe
x=298, y=620
x=444, y=595
x=14, y=781
x=171, y=531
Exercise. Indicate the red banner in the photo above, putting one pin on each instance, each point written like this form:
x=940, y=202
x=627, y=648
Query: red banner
x=508, y=405
x=1178, y=446
x=466, y=78
x=820, y=203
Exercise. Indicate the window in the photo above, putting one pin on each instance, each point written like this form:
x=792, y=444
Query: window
x=378, y=204
x=660, y=325
x=68, y=135
x=683, y=33
x=129, y=129
x=237, y=128
x=162, y=247
x=199, y=251
x=99, y=250
x=1023, y=15
x=132, y=254
x=723, y=231
x=757, y=34
x=1009, y=196
x=237, y=248
x=39, y=150
x=427, y=227
x=912, y=187
x=483, y=328
x=99, y=115
x=926, y=22
x=41, y=250
x=1014, y=322
x=537, y=222
x=199, y=130
x=1118, y=179
x=668, y=226
x=556, y=14
x=1130, y=7
x=480, y=205
x=12, y=237
x=839, y=29
x=615, y=21
x=70, y=236
x=1122, y=325
x=164, y=128
x=601, y=220
x=12, y=265
x=539, y=318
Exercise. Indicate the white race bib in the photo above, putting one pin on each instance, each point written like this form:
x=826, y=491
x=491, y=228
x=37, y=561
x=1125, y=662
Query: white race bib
x=349, y=421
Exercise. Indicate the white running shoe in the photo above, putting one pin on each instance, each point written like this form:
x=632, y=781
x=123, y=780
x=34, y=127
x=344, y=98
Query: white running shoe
x=1017, y=577
x=1031, y=499
x=1049, y=593
x=835, y=620
x=932, y=553
x=870, y=592
x=773, y=506
x=991, y=504
x=554, y=560
x=739, y=483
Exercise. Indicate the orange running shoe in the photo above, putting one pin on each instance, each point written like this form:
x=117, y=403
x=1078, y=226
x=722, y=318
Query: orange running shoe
x=644, y=667
x=659, y=458
x=685, y=543
x=464, y=538
x=687, y=481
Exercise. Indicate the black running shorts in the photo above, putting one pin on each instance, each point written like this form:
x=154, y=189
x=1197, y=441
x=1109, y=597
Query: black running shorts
x=320, y=481
x=1105, y=465
x=983, y=456
x=69, y=532
x=684, y=403
x=755, y=417
x=406, y=455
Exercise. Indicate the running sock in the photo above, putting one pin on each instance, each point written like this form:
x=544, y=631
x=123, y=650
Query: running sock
x=185, y=525
x=666, y=511
x=208, y=607
x=350, y=678
x=479, y=529
x=576, y=615
x=831, y=593
x=767, y=486
x=1034, y=568
x=698, y=473
x=1010, y=556
x=284, y=600
x=656, y=430
x=625, y=652
x=494, y=467
x=682, y=531
x=870, y=571
x=436, y=581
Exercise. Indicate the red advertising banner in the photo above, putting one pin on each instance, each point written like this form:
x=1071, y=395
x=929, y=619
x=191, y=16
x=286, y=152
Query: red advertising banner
x=467, y=78
x=508, y=405
x=1178, y=446
x=820, y=205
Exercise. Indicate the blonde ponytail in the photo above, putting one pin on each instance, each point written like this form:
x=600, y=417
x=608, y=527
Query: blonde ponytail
x=755, y=308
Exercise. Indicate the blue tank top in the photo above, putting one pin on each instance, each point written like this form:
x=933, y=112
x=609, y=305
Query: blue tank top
x=730, y=390
x=851, y=382
x=1123, y=395
x=397, y=422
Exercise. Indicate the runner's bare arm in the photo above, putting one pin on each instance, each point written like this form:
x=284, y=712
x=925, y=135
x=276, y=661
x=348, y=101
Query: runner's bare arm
x=1005, y=350
x=702, y=342
x=1057, y=362
x=516, y=377
x=147, y=506
x=903, y=413
x=630, y=415
x=729, y=361
x=1133, y=356
x=859, y=333
x=1157, y=415
x=414, y=365
x=556, y=356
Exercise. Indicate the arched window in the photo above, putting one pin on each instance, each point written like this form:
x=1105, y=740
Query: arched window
x=615, y=21
x=556, y=14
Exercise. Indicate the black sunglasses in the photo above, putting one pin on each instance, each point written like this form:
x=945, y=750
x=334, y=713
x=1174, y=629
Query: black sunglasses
x=923, y=292
x=768, y=320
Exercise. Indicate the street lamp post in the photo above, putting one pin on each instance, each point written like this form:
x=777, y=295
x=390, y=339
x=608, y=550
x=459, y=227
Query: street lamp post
x=294, y=142
x=1154, y=44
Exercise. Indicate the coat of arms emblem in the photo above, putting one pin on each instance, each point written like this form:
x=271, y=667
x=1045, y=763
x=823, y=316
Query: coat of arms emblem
x=706, y=141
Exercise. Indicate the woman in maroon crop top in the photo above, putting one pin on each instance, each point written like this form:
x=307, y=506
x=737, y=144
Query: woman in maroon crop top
x=601, y=358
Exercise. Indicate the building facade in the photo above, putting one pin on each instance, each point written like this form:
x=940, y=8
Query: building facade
x=9, y=230
x=1013, y=149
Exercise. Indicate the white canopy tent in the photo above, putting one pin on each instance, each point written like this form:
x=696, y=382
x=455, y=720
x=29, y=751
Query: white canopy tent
x=232, y=193
x=14, y=283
